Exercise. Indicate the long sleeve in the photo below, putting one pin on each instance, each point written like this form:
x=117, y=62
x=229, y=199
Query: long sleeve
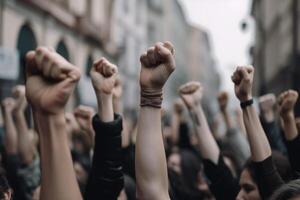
x=267, y=177
x=106, y=178
x=223, y=185
x=274, y=136
x=293, y=148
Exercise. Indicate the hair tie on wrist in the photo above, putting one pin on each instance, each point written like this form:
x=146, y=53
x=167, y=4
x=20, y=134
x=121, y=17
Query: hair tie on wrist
x=151, y=97
x=247, y=103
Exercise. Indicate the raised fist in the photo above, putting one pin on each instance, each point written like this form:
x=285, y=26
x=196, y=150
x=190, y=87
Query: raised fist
x=287, y=101
x=8, y=104
x=50, y=80
x=243, y=79
x=267, y=102
x=191, y=94
x=178, y=106
x=223, y=100
x=18, y=93
x=157, y=64
x=84, y=116
x=72, y=124
x=103, y=74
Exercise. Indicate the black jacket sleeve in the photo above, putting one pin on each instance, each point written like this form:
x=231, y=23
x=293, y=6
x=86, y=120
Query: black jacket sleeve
x=293, y=148
x=274, y=137
x=223, y=185
x=106, y=178
x=267, y=177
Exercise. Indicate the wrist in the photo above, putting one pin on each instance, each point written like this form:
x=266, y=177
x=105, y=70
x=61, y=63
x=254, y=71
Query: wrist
x=245, y=98
x=151, y=97
x=288, y=116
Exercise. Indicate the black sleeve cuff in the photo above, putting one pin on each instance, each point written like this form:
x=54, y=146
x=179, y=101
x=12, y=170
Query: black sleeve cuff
x=107, y=129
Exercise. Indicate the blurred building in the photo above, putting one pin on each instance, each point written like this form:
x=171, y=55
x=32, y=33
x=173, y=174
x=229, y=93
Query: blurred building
x=85, y=30
x=276, y=50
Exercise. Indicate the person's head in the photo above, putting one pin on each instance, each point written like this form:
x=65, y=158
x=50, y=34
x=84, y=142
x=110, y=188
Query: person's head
x=289, y=191
x=174, y=162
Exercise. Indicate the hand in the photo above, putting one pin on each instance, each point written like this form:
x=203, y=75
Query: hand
x=223, y=100
x=178, y=106
x=191, y=93
x=84, y=116
x=286, y=102
x=157, y=64
x=50, y=80
x=18, y=93
x=118, y=90
x=103, y=74
x=267, y=102
x=8, y=105
x=243, y=79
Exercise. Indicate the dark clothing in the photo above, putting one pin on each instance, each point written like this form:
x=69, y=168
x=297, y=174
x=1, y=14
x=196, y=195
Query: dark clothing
x=106, y=179
x=223, y=185
x=293, y=148
x=267, y=177
x=274, y=137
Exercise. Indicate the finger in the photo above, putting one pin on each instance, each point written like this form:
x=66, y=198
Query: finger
x=144, y=60
x=151, y=56
x=169, y=46
x=165, y=55
x=31, y=65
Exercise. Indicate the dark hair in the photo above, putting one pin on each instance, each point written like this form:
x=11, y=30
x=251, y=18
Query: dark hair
x=287, y=191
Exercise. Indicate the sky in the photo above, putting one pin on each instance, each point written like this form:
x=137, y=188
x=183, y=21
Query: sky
x=222, y=19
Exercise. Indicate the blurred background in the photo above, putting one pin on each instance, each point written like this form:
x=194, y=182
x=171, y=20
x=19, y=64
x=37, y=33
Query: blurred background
x=211, y=37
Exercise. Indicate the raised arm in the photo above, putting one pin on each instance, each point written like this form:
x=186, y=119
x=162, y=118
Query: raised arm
x=287, y=101
x=157, y=64
x=25, y=143
x=11, y=137
x=49, y=84
x=106, y=178
x=267, y=115
x=191, y=93
x=268, y=179
x=176, y=120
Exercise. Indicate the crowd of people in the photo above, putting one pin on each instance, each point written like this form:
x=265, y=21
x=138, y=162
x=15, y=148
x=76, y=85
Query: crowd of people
x=104, y=154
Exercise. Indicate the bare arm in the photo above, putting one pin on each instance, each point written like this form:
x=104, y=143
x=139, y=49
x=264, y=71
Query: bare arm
x=191, y=93
x=259, y=145
x=48, y=100
x=176, y=119
x=25, y=143
x=151, y=168
x=11, y=137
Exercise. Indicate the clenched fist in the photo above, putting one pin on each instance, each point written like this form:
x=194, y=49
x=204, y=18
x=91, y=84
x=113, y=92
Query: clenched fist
x=103, y=74
x=50, y=80
x=191, y=94
x=157, y=65
x=84, y=116
x=223, y=100
x=243, y=79
x=287, y=101
x=8, y=105
x=267, y=102
x=18, y=93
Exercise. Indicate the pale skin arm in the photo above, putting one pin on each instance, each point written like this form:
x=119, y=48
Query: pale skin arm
x=11, y=137
x=25, y=142
x=259, y=145
x=150, y=159
x=287, y=101
x=191, y=93
x=58, y=180
x=223, y=101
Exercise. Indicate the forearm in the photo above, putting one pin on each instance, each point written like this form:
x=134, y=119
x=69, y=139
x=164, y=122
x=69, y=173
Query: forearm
x=207, y=144
x=11, y=138
x=25, y=143
x=227, y=119
x=105, y=106
x=289, y=126
x=175, y=127
x=117, y=105
x=259, y=145
x=56, y=161
x=151, y=169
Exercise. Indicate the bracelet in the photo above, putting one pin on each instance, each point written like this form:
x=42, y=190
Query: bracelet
x=151, y=98
x=246, y=103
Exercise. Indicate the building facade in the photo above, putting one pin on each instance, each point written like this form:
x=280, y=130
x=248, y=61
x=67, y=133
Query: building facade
x=276, y=50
